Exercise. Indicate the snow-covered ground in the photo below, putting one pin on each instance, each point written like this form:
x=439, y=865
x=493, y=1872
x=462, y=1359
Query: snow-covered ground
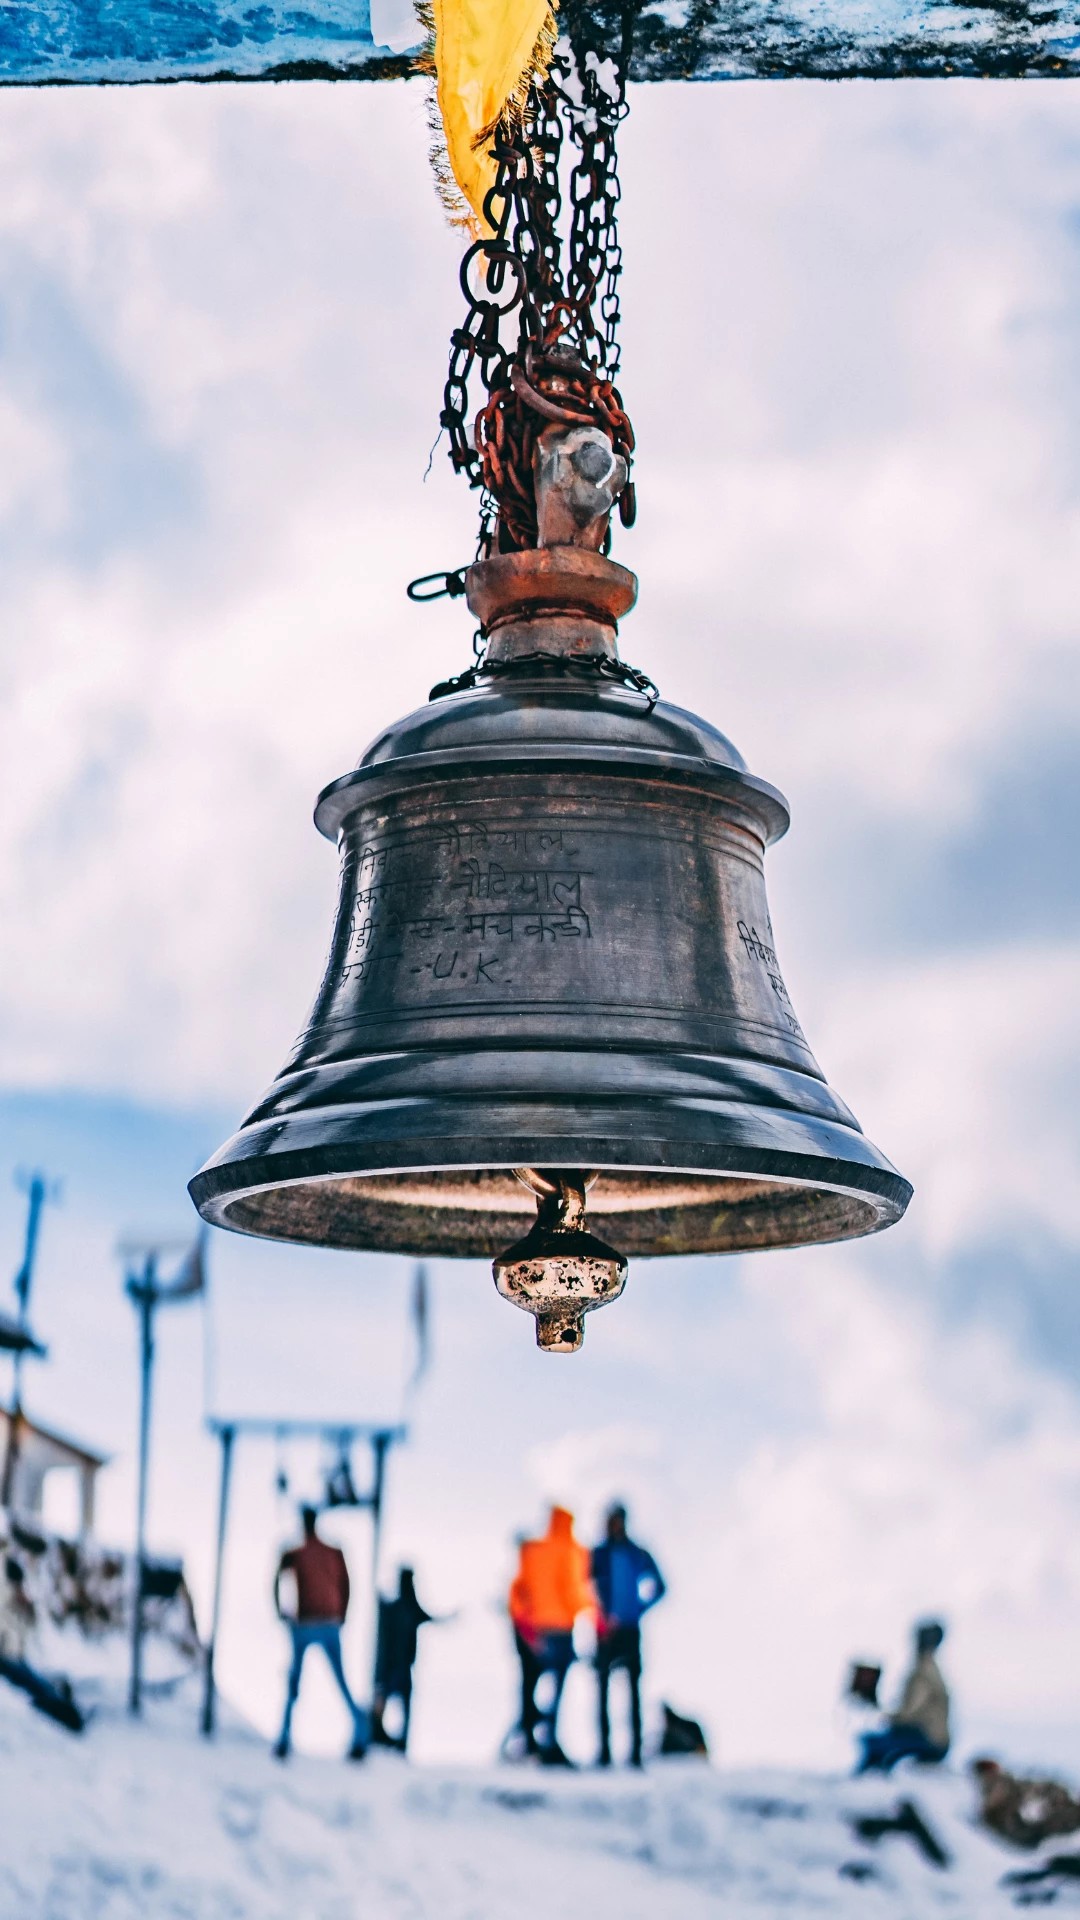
x=149, y=1823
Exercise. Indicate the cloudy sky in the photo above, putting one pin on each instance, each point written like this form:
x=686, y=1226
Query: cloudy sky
x=851, y=351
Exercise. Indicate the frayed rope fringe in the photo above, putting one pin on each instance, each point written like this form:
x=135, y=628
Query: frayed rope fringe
x=455, y=206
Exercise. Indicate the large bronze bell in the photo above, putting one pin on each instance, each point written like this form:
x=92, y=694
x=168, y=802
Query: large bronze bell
x=553, y=953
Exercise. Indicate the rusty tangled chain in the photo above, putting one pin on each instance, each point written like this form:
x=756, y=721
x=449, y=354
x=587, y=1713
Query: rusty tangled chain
x=541, y=335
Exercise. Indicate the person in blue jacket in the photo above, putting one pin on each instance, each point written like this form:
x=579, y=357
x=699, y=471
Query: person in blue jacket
x=627, y=1582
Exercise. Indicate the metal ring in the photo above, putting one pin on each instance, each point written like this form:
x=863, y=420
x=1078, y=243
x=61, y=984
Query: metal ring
x=453, y=586
x=502, y=256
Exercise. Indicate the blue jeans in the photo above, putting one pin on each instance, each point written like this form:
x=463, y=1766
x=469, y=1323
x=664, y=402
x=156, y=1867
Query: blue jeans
x=327, y=1635
x=882, y=1750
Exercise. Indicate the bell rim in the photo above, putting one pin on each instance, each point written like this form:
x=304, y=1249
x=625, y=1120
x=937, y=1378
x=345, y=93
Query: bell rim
x=869, y=1184
x=450, y=764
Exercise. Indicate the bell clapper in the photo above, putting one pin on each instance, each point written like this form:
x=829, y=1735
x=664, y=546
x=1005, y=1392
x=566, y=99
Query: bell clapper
x=577, y=478
x=560, y=1271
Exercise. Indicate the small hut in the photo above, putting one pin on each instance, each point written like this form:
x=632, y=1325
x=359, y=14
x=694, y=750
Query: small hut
x=39, y=1451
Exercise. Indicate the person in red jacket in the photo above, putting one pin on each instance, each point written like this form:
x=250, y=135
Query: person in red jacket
x=322, y=1601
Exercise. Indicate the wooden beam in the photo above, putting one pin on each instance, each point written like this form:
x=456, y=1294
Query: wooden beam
x=132, y=42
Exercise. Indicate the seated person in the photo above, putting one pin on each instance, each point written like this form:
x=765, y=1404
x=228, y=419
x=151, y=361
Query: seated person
x=919, y=1729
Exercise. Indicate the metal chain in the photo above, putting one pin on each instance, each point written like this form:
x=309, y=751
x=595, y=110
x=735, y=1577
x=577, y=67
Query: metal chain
x=588, y=666
x=541, y=330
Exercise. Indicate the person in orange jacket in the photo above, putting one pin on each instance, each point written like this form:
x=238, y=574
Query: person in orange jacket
x=550, y=1590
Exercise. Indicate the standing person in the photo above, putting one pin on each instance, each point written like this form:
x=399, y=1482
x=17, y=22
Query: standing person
x=628, y=1582
x=322, y=1601
x=919, y=1729
x=550, y=1589
x=525, y=1724
x=399, y=1624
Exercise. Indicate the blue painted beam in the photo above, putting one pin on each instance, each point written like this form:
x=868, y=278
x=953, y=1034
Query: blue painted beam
x=125, y=42
x=128, y=42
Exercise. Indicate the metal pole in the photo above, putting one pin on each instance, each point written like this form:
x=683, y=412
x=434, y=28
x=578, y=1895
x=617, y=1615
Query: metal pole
x=228, y=1435
x=380, y=1447
x=25, y=1275
x=143, y=1294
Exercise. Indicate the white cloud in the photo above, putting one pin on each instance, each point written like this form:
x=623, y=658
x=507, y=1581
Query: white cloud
x=961, y=1068
x=588, y=1468
x=31, y=463
x=869, y=364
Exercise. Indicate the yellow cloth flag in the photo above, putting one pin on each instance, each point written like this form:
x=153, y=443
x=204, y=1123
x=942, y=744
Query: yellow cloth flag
x=487, y=53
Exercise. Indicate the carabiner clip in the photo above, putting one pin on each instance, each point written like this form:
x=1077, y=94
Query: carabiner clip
x=452, y=587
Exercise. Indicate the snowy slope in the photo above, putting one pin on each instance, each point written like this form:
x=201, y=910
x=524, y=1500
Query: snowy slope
x=149, y=1823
